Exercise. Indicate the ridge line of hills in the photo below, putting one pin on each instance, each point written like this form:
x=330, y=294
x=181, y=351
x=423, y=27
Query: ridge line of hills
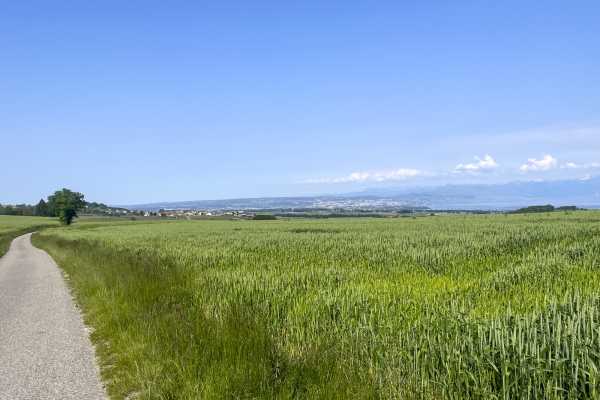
x=511, y=195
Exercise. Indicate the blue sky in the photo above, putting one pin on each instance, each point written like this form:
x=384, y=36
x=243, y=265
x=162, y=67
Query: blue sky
x=134, y=102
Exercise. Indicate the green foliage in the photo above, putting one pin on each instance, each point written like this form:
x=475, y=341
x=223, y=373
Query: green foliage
x=93, y=204
x=264, y=217
x=10, y=210
x=568, y=208
x=19, y=209
x=473, y=307
x=534, y=209
x=41, y=210
x=65, y=204
x=96, y=208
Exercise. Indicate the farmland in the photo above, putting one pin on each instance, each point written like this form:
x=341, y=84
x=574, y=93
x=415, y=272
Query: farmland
x=12, y=226
x=493, y=306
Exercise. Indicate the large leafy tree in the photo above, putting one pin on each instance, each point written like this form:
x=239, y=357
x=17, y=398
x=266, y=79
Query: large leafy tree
x=41, y=210
x=65, y=204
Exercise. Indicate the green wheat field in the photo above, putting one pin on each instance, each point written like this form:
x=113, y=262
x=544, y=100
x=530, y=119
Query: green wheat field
x=489, y=307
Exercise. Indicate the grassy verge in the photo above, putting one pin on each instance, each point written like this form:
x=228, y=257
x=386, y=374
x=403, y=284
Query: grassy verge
x=154, y=341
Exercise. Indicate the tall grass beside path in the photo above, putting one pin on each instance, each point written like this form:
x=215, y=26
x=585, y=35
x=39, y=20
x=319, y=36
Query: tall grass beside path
x=154, y=340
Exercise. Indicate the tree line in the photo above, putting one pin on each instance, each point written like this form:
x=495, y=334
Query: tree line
x=19, y=209
x=63, y=204
x=546, y=208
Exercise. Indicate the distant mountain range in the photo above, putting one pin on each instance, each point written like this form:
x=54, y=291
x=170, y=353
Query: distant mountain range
x=583, y=193
x=516, y=190
x=506, y=195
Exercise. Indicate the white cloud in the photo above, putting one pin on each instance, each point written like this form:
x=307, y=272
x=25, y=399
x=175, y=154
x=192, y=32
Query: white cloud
x=355, y=177
x=546, y=163
x=571, y=165
x=486, y=163
x=399, y=174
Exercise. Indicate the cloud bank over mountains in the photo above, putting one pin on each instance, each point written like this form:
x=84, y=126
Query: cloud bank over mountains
x=571, y=165
x=564, y=152
x=486, y=164
x=545, y=164
x=401, y=173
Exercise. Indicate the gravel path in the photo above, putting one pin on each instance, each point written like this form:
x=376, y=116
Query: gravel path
x=45, y=351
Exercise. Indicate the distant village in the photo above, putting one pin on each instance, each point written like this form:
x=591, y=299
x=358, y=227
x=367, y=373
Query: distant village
x=169, y=213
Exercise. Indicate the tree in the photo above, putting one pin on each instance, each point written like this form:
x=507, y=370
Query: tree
x=264, y=217
x=65, y=204
x=10, y=210
x=41, y=210
x=534, y=209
